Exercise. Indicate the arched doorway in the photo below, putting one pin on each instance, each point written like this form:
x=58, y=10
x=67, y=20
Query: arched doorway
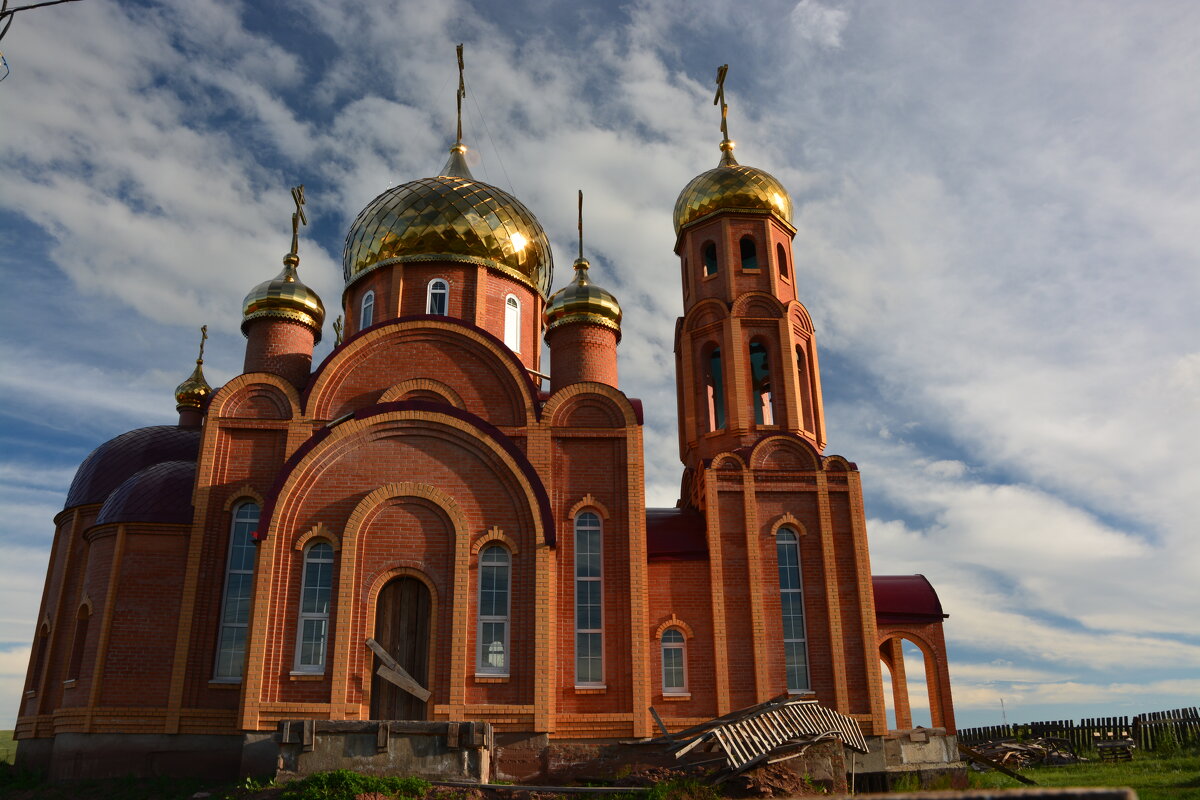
x=402, y=629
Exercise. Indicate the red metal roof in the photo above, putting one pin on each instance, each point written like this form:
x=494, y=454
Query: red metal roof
x=906, y=598
x=675, y=534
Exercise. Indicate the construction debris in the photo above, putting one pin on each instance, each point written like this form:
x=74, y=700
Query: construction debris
x=768, y=733
x=1042, y=751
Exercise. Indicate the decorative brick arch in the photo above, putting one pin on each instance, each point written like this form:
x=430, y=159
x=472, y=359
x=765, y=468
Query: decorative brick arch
x=253, y=393
x=494, y=534
x=929, y=638
x=799, y=316
x=446, y=393
x=705, y=313
x=588, y=501
x=674, y=622
x=789, y=521
x=835, y=463
x=785, y=452
x=399, y=569
x=241, y=494
x=728, y=460
x=615, y=404
x=758, y=305
x=318, y=531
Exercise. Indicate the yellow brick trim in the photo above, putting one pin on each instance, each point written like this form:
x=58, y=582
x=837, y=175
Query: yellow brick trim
x=423, y=384
x=236, y=385
x=242, y=493
x=674, y=622
x=790, y=521
x=494, y=534
x=588, y=501
x=614, y=396
x=318, y=531
x=720, y=460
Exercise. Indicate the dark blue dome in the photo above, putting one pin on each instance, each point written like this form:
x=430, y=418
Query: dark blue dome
x=158, y=493
x=113, y=462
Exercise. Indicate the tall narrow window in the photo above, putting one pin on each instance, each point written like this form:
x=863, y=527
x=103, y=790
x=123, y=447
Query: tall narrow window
x=791, y=600
x=781, y=257
x=589, y=632
x=805, y=397
x=235, y=605
x=512, y=323
x=715, y=387
x=82, y=618
x=438, y=297
x=687, y=280
x=749, y=253
x=366, y=315
x=39, y=658
x=674, y=672
x=315, y=589
x=760, y=384
x=494, y=582
x=710, y=258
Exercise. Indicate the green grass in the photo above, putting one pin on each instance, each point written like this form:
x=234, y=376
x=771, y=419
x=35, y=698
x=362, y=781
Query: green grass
x=1152, y=777
x=8, y=747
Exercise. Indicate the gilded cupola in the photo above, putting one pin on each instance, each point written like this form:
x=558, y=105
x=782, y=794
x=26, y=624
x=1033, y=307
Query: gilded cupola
x=285, y=296
x=195, y=391
x=731, y=186
x=581, y=300
x=450, y=217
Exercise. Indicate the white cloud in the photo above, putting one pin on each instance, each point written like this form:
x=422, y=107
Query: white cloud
x=818, y=23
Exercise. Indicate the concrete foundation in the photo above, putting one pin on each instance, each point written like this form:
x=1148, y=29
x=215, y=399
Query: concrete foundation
x=70, y=756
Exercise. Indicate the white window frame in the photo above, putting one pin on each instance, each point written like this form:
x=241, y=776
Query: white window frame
x=314, y=616
x=681, y=647
x=433, y=285
x=589, y=521
x=512, y=322
x=786, y=537
x=482, y=665
x=366, y=311
x=244, y=526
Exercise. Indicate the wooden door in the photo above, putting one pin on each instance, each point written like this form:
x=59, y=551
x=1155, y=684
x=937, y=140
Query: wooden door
x=402, y=628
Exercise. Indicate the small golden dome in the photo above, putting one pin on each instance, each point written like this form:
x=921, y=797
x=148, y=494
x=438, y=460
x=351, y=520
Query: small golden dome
x=583, y=301
x=451, y=217
x=194, y=391
x=285, y=297
x=732, y=187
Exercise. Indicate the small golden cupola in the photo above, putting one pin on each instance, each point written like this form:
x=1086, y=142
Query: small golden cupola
x=583, y=327
x=193, y=393
x=731, y=186
x=282, y=318
x=285, y=296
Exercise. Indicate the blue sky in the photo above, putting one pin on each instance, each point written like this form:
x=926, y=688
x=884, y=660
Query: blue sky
x=997, y=207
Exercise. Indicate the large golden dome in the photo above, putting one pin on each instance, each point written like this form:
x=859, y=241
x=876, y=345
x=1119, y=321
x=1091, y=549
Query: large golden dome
x=451, y=217
x=285, y=297
x=732, y=187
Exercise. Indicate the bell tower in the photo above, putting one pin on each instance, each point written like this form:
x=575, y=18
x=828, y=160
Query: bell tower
x=745, y=352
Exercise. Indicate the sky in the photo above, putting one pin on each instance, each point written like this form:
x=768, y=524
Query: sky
x=998, y=214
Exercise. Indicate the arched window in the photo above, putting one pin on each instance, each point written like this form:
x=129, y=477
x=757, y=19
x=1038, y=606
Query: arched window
x=791, y=601
x=715, y=388
x=39, y=656
x=749, y=253
x=687, y=280
x=315, y=589
x=710, y=258
x=437, y=300
x=781, y=257
x=760, y=384
x=366, y=315
x=235, y=604
x=512, y=323
x=82, y=618
x=805, y=398
x=589, y=617
x=674, y=662
x=495, y=578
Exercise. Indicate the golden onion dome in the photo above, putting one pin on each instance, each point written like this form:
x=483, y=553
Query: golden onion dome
x=194, y=391
x=451, y=217
x=732, y=187
x=285, y=297
x=583, y=301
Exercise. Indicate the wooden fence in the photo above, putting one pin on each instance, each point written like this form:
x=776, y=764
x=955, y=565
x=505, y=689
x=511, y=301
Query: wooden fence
x=1146, y=730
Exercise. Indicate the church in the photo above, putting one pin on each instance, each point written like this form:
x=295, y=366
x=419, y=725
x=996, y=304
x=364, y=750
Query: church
x=433, y=524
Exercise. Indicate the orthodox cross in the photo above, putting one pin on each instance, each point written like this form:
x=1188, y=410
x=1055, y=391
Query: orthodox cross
x=337, y=330
x=581, y=223
x=720, y=99
x=298, y=217
x=203, y=338
x=462, y=90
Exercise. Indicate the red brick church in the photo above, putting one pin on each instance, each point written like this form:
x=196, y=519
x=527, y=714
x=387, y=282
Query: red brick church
x=428, y=491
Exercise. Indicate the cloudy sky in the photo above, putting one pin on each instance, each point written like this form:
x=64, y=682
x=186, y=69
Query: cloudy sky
x=999, y=229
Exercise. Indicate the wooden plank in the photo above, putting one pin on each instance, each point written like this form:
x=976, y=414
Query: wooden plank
x=987, y=762
x=384, y=655
x=666, y=733
x=404, y=681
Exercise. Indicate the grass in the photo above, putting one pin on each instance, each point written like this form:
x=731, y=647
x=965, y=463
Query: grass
x=8, y=747
x=1153, y=777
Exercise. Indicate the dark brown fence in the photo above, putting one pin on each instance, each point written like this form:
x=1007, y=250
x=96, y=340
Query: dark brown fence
x=1147, y=730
